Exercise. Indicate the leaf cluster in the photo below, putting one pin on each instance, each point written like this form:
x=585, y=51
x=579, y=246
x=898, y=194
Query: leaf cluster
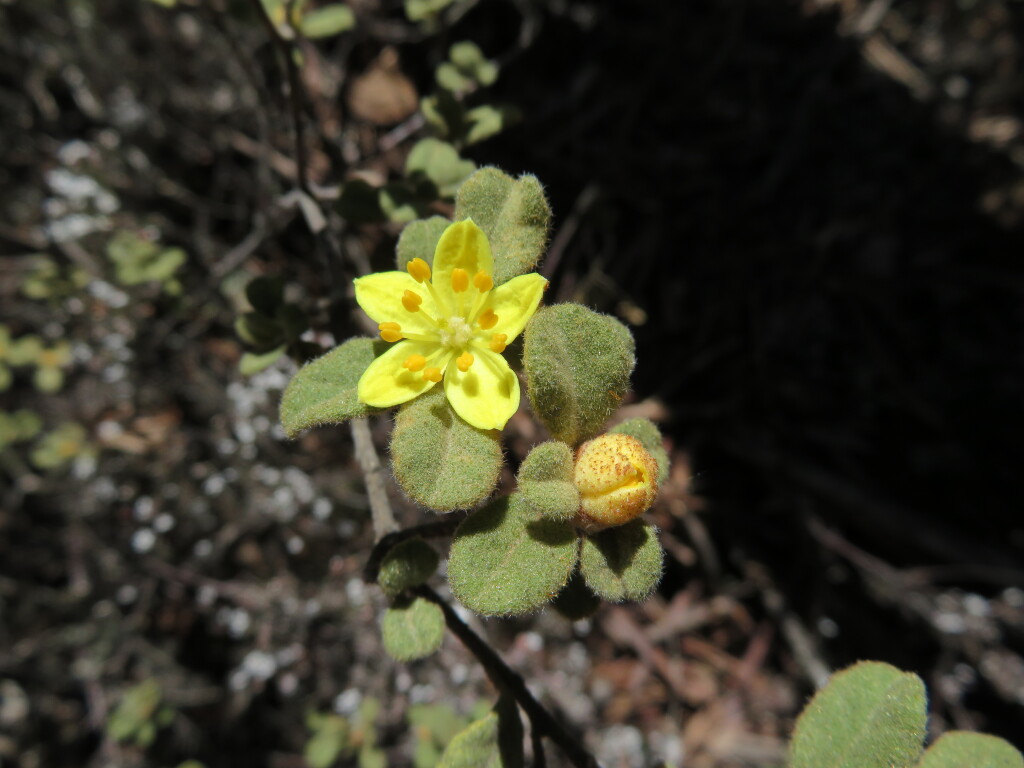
x=272, y=328
x=138, y=259
x=140, y=714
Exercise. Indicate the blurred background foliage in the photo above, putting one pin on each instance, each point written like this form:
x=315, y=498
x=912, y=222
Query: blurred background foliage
x=809, y=213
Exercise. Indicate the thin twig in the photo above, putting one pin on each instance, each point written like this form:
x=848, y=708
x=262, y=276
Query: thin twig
x=505, y=679
x=380, y=508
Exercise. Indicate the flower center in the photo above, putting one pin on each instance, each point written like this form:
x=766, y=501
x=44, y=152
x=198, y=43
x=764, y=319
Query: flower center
x=456, y=334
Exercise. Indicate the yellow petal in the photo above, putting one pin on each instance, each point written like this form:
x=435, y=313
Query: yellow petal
x=514, y=303
x=487, y=394
x=380, y=295
x=462, y=246
x=387, y=382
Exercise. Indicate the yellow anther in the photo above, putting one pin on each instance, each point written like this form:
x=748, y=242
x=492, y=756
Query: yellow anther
x=432, y=374
x=483, y=281
x=460, y=280
x=488, y=319
x=390, y=331
x=415, y=363
x=463, y=361
x=419, y=269
x=498, y=342
x=411, y=301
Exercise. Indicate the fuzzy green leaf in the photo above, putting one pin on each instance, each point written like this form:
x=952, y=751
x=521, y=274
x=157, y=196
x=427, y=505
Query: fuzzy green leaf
x=506, y=561
x=434, y=726
x=486, y=121
x=441, y=461
x=407, y=564
x=514, y=214
x=439, y=162
x=327, y=21
x=870, y=715
x=622, y=563
x=60, y=446
x=445, y=114
x=423, y=10
x=647, y=433
x=419, y=240
x=495, y=741
x=48, y=379
x=577, y=365
x=412, y=629
x=324, y=391
x=451, y=78
x=960, y=749
x=576, y=601
x=400, y=201
x=254, y=362
x=546, y=481
x=259, y=330
x=327, y=743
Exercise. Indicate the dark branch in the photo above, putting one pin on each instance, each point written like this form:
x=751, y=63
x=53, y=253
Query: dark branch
x=506, y=679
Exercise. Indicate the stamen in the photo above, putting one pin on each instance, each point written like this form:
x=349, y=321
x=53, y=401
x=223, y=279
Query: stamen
x=390, y=331
x=432, y=374
x=419, y=269
x=463, y=361
x=488, y=319
x=498, y=342
x=483, y=281
x=411, y=301
x=460, y=280
x=415, y=363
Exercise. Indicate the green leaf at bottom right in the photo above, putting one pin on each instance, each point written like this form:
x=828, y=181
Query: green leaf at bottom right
x=960, y=749
x=871, y=715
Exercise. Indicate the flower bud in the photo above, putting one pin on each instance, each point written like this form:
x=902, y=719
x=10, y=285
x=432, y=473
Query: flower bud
x=617, y=479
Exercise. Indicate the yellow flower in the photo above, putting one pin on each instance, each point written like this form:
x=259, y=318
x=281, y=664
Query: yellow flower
x=451, y=322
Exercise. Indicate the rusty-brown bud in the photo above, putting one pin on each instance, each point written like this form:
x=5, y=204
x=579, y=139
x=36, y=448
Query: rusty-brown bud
x=617, y=479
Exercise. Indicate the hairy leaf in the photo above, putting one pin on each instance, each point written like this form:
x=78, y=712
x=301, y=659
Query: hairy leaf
x=439, y=459
x=505, y=560
x=577, y=365
x=324, y=390
x=513, y=213
x=622, y=563
x=870, y=715
x=412, y=629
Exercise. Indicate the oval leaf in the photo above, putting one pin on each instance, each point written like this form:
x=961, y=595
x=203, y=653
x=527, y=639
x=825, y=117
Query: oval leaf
x=327, y=21
x=506, y=561
x=494, y=741
x=407, y=564
x=324, y=390
x=419, y=240
x=513, y=213
x=960, y=749
x=870, y=715
x=412, y=629
x=622, y=563
x=439, y=162
x=254, y=362
x=546, y=481
x=577, y=366
x=439, y=459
